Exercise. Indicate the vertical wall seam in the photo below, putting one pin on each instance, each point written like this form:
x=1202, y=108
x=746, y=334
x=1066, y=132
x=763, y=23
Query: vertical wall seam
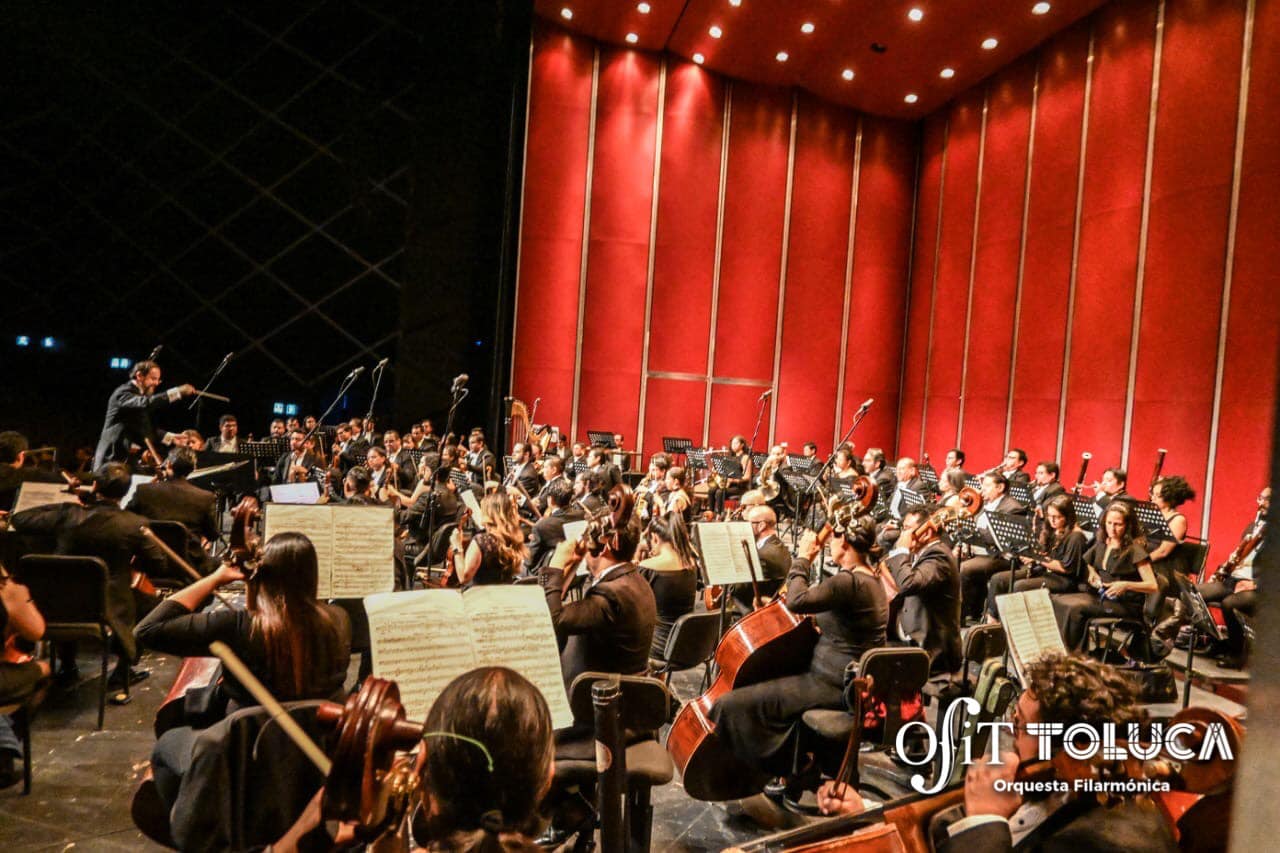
x=1228, y=274
x=524, y=183
x=1022, y=251
x=1144, y=228
x=586, y=242
x=848, y=283
x=715, y=275
x=906, y=309
x=973, y=265
x=933, y=291
x=782, y=267
x=1075, y=245
x=653, y=247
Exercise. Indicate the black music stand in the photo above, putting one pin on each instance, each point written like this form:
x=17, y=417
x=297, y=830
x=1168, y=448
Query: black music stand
x=929, y=475
x=1200, y=621
x=676, y=446
x=880, y=509
x=1012, y=535
x=578, y=466
x=726, y=466
x=804, y=464
x=600, y=437
x=757, y=460
x=910, y=497
x=799, y=484
x=973, y=481
x=416, y=455
x=695, y=458
x=1086, y=513
x=1021, y=494
x=461, y=479
x=1153, y=521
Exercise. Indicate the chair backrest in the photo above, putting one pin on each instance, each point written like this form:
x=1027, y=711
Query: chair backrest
x=1192, y=554
x=647, y=703
x=692, y=640
x=176, y=536
x=66, y=589
x=984, y=642
x=896, y=673
x=993, y=693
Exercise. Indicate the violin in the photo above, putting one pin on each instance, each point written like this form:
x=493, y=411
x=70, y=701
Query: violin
x=455, y=552
x=600, y=530
x=245, y=542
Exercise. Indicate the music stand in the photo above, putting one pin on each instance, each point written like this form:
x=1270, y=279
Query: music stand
x=1012, y=535
x=929, y=474
x=676, y=446
x=1153, y=521
x=757, y=460
x=1086, y=513
x=600, y=437
x=461, y=479
x=910, y=497
x=973, y=481
x=799, y=484
x=804, y=464
x=880, y=509
x=726, y=466
x=416, y=455
x=695, y=458
x=1021, y=494
x=1200, y=620
x=578, y=466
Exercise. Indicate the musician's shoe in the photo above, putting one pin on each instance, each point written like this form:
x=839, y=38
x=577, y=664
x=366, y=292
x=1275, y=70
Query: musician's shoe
x=10, y=771
x=135, y=675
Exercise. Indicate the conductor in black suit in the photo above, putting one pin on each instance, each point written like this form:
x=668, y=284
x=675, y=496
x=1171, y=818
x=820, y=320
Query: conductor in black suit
x=103, y=530
x=129, y=409
x=927, y=606
x=177, y=499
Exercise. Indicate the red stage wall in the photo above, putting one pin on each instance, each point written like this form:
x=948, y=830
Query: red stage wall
x=1065, y=286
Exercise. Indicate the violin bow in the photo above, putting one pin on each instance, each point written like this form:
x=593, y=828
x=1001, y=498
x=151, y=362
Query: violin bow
x=181, y=562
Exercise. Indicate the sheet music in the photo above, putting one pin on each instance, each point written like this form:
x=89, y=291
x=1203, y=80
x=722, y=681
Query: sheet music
x=469, y=498
x=512, y=627
x=314, y=522
x=42, y=494
x=296, y=493
x=1030, y=626
x=573, y=530
x=426, y=638
x=135, y=480
x=354, y=545
x=723, y=555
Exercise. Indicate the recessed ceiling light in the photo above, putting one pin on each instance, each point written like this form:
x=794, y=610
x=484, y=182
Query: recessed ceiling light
x=806, y=27
x=781, y=56
x=1040, y=9
x=916, y=14
x=947, y=73
x=642, y=8
x=632, y=38
x=699, y=58
x=989, y=44
x=715, y=32
x=847, y=74
x=911, y=99
x=566, y=13
x=735, y=3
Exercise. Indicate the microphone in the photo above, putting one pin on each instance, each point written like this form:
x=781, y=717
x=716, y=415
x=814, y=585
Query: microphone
x=459, y=382
x=766, y=395
x=226, y=359
x=866, y=404
x=382, y=364
x=354, y=373
x=155, y=353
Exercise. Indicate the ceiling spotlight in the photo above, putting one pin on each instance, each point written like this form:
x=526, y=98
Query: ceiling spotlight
x=566, y=13
x=632, y=38
x=847, y=74
x=735, y=3
x=989, y=44
x=1040, y=9
x=806, y=27
x=642, y=8
x=781, y=56
x=916, y=14
x=911, y=99
x=947, y=73
x=715, y=32
x=699, y=58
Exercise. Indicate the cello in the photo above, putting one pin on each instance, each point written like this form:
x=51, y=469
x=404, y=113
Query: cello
x=767, y=643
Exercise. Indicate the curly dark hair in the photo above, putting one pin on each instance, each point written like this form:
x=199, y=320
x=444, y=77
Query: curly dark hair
x=1078, y=689
x=1175, y=490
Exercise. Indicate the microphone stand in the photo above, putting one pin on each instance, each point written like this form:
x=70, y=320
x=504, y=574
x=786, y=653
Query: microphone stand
x=764, y=399
x=345, y=387
x=377, y=381
x=808, y=493
x=198, y=402
x=459, y=394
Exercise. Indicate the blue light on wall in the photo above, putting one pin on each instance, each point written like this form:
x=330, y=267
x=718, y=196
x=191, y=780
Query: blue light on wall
x=23, y=341
x=121, y=363
x=48, y=343
x=277, y=408
x=291, y=409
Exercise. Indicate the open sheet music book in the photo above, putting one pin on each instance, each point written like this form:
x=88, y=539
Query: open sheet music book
x=426, y=638
x=726, y=560
x=1029, y=625
x=477, y=514
x=355, y=545
x=42, y=494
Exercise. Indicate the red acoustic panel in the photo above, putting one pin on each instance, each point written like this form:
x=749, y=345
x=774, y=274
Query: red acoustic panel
x=881, y=257
x=942, y=403
x=999, y=241
x=688, y=195
x=673, y=408
x=751, y=255
x=1107, y=272
x=618, y=248
x=1195, y=141
x=916, y=359
x=1046, y=275
x=734, y=409
x=820, y=199
x=1249, y=381
x=551, y=235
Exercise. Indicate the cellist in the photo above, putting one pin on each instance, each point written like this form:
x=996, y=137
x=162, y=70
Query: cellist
x=757, y=721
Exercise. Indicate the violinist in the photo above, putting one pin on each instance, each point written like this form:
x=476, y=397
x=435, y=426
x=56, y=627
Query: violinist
x=548, y=531
x=14, y=471
x=175, y=498
x=400, y=460
x=756, y=722
x=18, y=617
x=296, y=465
x=496, y=553
x=128, y=420
x=357, y=488
x=1059, y=564
x=928, y=600
x=299, y=647
x=380, y=473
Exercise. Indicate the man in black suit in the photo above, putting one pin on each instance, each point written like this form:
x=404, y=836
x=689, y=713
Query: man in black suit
x=481, y=463
x=927, y=606
x=347, y=450
x=522, y=473
x=877, y=468
x=176, y=499
x=907, y=475
x=128, y=420
x=1047, y=485
x=399, y=457
x=295, y=466
x=103, y=529
x=548, y=531
x=14, y=471
x=954, y=462
x=976, y=571
x=775, y=558
x=552, y=472
x=1112, y=487
x=1014, y=461
x=228, y=438
x=598, y=463
x=611, y=628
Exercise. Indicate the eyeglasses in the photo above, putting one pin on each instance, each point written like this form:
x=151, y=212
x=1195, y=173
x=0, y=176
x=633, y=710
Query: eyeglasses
x=1011, y=715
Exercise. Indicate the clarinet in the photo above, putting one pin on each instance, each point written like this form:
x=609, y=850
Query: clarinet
x=1084, y=469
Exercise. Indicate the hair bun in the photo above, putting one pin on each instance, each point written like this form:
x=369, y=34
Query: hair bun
x=491, y=822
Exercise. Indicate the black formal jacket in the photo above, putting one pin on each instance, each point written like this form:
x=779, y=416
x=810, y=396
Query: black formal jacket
x=128, y=422
x=102, y=530
x=928, y=602
x=610, y=629
x=180, y=500
x=527, y=477
x=408, y=471
x=281, y=474
x=12, y=478
x=775, y=562
x=477, y=463
x=1077, y=826
x=1050, y=491
x=214, y=445
x=547, y=533
x=1018, y=478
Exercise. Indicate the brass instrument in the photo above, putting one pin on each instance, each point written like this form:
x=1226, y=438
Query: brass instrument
x=768, y=485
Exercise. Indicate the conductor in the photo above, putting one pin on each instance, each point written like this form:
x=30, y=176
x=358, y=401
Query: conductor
x=128, y=420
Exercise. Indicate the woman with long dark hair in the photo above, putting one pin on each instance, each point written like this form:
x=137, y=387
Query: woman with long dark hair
x=496, y=553
x=1062, y=545
x=672, y=570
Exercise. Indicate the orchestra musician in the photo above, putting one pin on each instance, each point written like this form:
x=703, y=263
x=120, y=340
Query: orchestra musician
x=775, y=558
x=18, y=680
x=228, y=438
x=175, y=498
x=128, y=420
x=1112, y=487
x=677, y=499
x=1046, y=486
x=1011, y=467
x=481, y=463
x=954, y=461
x=357, y=488
x=976, y=571
x=757, y=722
x=552, y=472
x=14, y=471
x=380, y=473
x=403, y=468
x=734, y=485
x=672, y=571
x=907, y=474
x=496, y=553
x=1237, y=591
x=521, y=473
x=843, y=471
x=548, y=531
x=1060, y=565
x=877, y=467
x=950, y=484
x=928, y=600
x=603, y=469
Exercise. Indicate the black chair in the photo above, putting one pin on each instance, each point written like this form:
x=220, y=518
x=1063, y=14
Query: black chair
x=176, y=536
x=71, y=594
x=993, y=691
x=692, y=642
x=21, y=710
x=646, y=705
